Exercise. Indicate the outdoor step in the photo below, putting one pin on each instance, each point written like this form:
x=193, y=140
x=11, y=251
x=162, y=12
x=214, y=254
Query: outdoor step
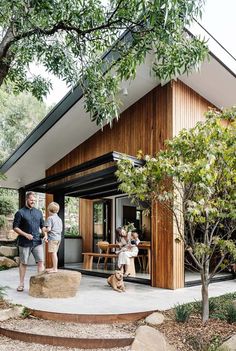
x=96, y=318
x=84, y=336
x=8, y=344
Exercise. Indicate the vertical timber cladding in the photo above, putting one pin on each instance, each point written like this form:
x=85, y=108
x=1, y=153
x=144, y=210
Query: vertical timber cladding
x=132, y=132
x=188, y=109
x=86, y=223
x=162, y=272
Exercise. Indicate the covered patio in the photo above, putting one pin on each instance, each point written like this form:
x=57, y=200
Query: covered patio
x=95, y=298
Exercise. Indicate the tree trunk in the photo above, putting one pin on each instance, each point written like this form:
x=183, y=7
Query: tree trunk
x=4, y=69
x=205, y=298
x=6, y=56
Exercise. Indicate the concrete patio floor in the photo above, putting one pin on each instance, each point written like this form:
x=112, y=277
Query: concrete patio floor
x=96, y=297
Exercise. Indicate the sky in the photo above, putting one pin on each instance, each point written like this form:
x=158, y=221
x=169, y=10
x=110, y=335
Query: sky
x=218, y=19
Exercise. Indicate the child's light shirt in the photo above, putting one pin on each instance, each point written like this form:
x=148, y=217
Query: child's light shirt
x=54, y=222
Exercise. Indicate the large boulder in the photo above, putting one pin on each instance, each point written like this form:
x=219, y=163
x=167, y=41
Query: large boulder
x=230, y=344
x=149, y=339
x=9, y=251
x=62, y=284
x=7, y=262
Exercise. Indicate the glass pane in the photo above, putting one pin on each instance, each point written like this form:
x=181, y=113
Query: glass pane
x=71, y=216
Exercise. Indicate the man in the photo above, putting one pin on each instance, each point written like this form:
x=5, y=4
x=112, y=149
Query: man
x=27, y=223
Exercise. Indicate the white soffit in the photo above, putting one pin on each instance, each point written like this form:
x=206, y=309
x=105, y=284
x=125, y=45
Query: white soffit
x=214, y=82
x=70, y=131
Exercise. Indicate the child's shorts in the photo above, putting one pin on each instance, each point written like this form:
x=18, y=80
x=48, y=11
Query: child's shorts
x=53, y=245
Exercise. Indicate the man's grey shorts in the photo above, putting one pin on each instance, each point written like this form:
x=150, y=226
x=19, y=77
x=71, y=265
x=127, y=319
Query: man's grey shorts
x=37, y=252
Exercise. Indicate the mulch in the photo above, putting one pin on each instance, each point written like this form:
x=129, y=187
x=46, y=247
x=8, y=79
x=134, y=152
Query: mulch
x=193, y=335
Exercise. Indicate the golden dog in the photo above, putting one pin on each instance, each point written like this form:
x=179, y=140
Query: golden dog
x=116, y=281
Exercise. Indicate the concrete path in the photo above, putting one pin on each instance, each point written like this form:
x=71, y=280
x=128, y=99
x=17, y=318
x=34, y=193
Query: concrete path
x=96, y=297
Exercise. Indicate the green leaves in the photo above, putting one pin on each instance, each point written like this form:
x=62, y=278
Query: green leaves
x=18, y=116
x=69, y=38
x=195, y=178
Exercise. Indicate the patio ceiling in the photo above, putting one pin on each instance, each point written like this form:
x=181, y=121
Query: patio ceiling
x=91, y=179
x=68, y=125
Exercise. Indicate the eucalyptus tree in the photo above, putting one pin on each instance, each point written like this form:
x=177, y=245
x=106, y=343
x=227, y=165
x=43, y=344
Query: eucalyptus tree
x=18, y=116
x=195, y=178
x=69, y=38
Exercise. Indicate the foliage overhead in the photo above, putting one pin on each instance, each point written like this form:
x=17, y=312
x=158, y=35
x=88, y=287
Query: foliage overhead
x=18, y=116
x=69, y=38
x=195, y=178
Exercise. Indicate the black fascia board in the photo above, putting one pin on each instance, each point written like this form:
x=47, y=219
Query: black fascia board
x=73, y=170
x=93, y=192
x=99, y=186
x=86, y=179
x=109, y=157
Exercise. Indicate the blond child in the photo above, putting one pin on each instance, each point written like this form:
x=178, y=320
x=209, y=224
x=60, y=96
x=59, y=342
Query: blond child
x=53, y=226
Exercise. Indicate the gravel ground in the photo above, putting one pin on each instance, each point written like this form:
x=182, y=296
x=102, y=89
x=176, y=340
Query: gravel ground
x=77, y=330
x=7, y=344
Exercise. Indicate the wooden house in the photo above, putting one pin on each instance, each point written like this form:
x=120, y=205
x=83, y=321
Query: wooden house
x=68, y=155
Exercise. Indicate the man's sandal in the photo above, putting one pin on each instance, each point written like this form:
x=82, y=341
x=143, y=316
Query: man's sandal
x=20, y=288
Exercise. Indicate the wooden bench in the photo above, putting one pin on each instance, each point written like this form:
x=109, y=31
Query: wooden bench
x=88, y=258
x=88, y=261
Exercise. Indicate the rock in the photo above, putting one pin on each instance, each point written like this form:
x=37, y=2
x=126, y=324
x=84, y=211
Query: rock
x=155, y=318
x=9, y=251
x=12, y=235
x=7, y=262
x=17, y=260
x=62, y=284
x=150, y=339
x=12, y=312
x=230, y=344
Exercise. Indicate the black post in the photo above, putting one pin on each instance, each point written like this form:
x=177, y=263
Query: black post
x=60, y=199
x=22, y=197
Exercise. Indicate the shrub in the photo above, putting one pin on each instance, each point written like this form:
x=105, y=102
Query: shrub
x=182, y=312
x=7, y=205
x=213, y=306
x=25, y=313
x=231, y=313
x=72, y=231
x=199, y=342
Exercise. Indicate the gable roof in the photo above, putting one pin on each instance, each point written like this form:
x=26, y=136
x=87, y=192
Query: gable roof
x=68, y=125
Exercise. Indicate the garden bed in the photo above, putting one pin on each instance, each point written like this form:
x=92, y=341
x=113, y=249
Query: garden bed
x=193, y=335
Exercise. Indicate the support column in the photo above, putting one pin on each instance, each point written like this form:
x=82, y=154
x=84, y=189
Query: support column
x=167, y=268
x=86, y=223
x=22, y=197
